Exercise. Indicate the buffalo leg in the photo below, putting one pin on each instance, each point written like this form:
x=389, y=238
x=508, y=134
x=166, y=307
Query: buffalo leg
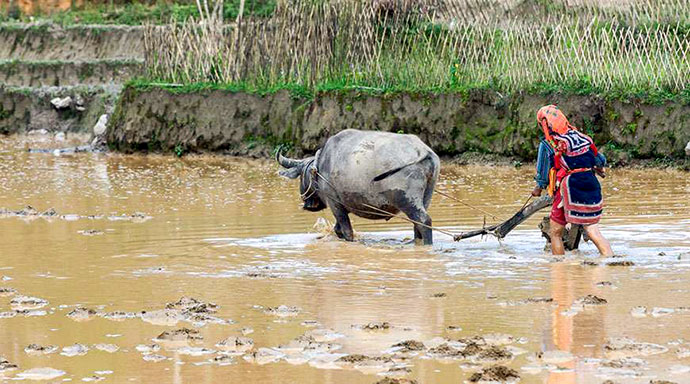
x=343, y=227
x=422, y=233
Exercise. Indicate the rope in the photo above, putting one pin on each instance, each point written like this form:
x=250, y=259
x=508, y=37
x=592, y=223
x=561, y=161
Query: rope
x=465, y=204
x=303, y=195
x=451, y=234
x=526, y=201
x=382, y=212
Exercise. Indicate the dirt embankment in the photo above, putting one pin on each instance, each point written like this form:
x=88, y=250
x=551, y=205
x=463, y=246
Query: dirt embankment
x=40, y=63
x=482, y=121
x=26, y=109
x=56, y=73
x=83, y=42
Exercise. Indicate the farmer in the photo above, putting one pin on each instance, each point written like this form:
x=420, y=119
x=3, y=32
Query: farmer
x=566, y=165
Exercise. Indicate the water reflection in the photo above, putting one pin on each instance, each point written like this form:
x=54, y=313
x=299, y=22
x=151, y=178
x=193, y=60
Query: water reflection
x=583, y=334
x=230, y=231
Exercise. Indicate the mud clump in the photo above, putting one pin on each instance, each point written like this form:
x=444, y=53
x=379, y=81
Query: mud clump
x=626, y=347
x=471, y=350
x=410, y=346
x=264, y=356
x=182, y=334
x=366, y=363
x=154, y=358
x=260, y=275
x=6, y=366
x=8, y=314
x=192, y=305
x=283, y=311
x=683, y=352
x=494, y=353
x=196, y=311
x=626, y=362
x=642, y=311
x=353, y=359
x=537, y=300
x=236, y=344
x=495, y=373
x=195, y=351
x=307, y=343
x=91, y=232
x=28, y=211
x=6, y=291
x=620, y=264
x=82, y=314
x=473, y=346
x=21, y=303
x=390, y=380
x=35, y=349
x=376, y=326
x=162, y=317
x=323, y=334
x=444, y=350
x=151, y=348
x=186, y=309
x=223, y=359
x=591, y=300
x=529, y=300
x=118, y=315
x=397, y=371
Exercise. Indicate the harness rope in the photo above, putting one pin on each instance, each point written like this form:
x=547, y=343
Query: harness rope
x=467, y=205
x=380, y=212
x=302, y=195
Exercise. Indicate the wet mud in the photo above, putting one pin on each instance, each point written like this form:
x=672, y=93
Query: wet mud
x=497, y=373
x=223, y=275
x=30, y=213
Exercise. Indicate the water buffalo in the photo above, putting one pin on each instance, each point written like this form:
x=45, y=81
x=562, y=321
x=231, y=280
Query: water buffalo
x=370, y=174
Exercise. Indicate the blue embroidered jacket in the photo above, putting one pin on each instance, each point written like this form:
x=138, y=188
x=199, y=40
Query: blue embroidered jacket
x=545, y=162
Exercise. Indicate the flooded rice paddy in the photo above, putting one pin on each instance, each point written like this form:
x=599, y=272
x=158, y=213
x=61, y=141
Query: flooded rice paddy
x=205, y=269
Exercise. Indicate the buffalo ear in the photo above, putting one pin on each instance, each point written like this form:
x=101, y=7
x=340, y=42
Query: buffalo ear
x=291, y=173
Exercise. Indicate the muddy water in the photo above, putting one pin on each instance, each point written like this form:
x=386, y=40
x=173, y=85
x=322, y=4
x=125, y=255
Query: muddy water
x=134, y=233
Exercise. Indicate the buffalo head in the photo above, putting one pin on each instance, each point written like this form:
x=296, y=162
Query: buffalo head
x=305, y=169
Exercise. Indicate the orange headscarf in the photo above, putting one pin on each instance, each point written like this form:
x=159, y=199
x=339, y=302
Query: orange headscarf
x=552, y=120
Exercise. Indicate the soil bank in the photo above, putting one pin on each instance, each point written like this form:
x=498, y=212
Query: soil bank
x=26, y=109
x=239, y=123
x=81, y=42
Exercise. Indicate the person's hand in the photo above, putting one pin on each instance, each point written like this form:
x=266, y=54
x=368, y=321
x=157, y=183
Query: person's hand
x=536, y=192
x=600, y=171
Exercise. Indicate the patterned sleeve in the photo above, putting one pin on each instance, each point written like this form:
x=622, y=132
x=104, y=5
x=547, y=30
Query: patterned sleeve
x=544, y=163
x=600, y=160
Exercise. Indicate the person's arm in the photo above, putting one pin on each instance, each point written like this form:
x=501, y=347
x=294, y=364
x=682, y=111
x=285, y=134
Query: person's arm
x=599, y=162
x=544, y=164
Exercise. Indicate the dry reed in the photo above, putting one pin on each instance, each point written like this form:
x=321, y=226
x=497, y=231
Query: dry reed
x=417, y=44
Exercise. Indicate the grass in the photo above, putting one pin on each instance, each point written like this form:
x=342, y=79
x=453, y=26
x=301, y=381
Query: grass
x=302, y=92
x=344, y=45
x=135, y=13
x=637, y=50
